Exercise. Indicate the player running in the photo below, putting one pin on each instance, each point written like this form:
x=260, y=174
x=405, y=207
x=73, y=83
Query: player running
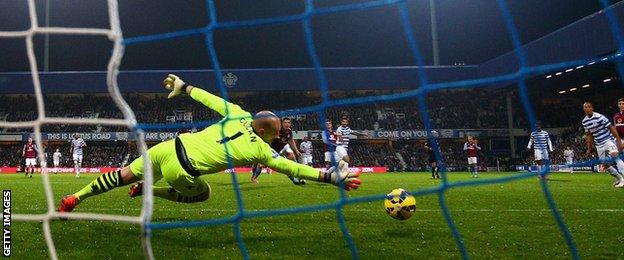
x=472, y=148
x=343, y=132
x=76, y=149
x=333, y=151
x=181, y=161
x=286, y=146
x=599, y=131
x=30, y=153
x=568, y=153
x=306, y=148
x=540, y=141
x=618, y=118
x=433, y=161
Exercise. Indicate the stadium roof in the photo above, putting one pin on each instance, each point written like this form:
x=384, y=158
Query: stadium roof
x=471, y=32
x=577, y=43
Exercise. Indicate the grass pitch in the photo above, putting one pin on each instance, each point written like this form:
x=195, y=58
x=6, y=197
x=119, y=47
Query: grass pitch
x=509, y=220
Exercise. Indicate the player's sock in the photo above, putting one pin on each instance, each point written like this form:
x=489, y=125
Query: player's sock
x=104, y=183
x=433, y=172
x=171, y=194
x=255, y=171
x=620, y=165
x=614, y=172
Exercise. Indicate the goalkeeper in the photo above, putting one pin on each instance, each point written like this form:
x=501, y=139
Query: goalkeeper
x=183, y=160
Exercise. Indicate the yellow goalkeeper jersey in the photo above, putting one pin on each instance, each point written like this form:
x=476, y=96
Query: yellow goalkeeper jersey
x=208, y=149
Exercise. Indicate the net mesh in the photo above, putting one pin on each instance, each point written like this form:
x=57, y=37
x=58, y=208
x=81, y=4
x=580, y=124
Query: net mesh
x=114, y=34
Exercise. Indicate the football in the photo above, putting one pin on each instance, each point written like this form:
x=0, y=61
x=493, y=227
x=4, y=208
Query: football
x=400, y=204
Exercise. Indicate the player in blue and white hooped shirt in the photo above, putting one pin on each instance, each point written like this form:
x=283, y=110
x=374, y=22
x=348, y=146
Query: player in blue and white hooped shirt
x=76, y=149
x=599, y=131
x=540, y=141
x=333, y=151
x=343, y=133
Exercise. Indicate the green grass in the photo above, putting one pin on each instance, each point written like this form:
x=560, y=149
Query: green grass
x=508, y=220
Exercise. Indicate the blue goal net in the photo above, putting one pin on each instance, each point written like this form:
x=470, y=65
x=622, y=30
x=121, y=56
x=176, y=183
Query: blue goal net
x=522, y=70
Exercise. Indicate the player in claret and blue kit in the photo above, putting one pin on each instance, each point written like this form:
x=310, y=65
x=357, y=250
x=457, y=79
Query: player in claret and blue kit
x=286, y=146
x=181, y=161
x=472, y=148
x=618, y=118
x=30, y=153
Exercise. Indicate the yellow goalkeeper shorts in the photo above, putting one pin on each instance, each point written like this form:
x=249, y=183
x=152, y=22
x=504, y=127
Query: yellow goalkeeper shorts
x=165, y=165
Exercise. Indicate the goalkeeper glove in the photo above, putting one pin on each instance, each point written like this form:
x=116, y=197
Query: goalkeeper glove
x=175, y=84
x=351, y=180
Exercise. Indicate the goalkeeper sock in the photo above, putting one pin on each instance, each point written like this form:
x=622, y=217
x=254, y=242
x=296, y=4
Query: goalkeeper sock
x=104, y=183
x=171, y=194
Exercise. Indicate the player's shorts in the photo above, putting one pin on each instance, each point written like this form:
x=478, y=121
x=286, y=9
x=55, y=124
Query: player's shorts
x=472, y=160
x=77, y=157
x=165, y=165
x=340, y=153
x=306, y=159
x=541, y=154
x=286, y=150
x=569, y=160
x=432, y=158
x=605, y=150
x=56, y=163
x=328, y=156
x=31, y=162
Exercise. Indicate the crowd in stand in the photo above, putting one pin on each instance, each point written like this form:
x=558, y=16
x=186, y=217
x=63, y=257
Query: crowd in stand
x=452, y=109
x=487, y=110
x=116, y=154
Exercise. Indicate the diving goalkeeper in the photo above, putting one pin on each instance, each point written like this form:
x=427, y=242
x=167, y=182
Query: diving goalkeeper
x=181, y=161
